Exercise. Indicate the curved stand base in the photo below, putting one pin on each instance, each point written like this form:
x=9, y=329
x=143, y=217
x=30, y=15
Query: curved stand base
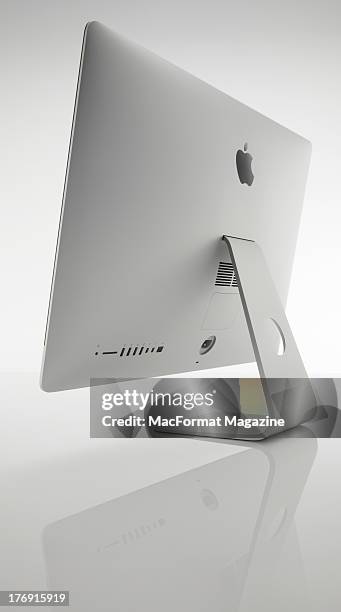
x=287, y=389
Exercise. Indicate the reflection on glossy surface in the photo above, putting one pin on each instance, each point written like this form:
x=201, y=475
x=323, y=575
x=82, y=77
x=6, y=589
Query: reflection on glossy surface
x=229, y=541
x=213, y=538
x=317, y=399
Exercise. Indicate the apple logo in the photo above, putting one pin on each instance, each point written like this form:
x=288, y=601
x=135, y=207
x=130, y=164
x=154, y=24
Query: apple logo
x=243, y=161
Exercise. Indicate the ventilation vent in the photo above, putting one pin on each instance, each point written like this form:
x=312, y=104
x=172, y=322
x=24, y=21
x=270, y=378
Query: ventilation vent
x=226, y=276
x=132, y=351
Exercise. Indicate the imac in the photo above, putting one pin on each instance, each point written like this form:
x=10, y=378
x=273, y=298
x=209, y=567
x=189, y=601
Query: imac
x=178, y=228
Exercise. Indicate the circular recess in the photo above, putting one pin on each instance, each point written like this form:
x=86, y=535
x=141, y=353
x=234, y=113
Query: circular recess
x=207, y=345
x=280, y=338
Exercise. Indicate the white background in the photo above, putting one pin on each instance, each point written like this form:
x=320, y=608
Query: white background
x=281, y=58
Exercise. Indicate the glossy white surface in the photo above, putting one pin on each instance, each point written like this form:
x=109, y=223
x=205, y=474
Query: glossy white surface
x=242, y=528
